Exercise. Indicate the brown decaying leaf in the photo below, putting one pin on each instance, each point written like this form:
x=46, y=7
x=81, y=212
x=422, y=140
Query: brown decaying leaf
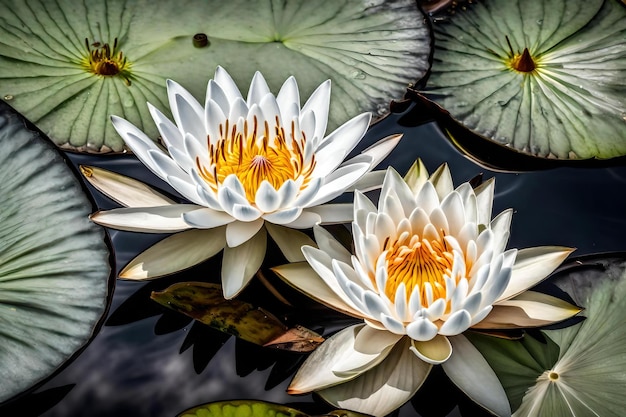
x=204, y=302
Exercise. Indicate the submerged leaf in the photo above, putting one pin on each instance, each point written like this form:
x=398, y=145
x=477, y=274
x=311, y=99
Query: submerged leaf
x=54, y=263
x=68, y=66
x=545, y=77
x=205, y=302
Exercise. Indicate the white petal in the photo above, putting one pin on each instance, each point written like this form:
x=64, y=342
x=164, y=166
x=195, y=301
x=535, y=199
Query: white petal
x=214, y=118
x=288, y=100
x=339, y=143
x=169, y=132
x=370, y=181
x=266, y=197
x=484, y=200
x=238, y=232
x=306, y=220
x=235, y=273
x=175, y=253
x=379, y=150
x=258, y=89
x=226, y=83
x=316, y=371
x=421, y=329
x=436, y=309
x=427, y=198
x=532, y=265
x=284, y=216
x=371, y=347
x=138, y=142
x=454, y=211
x=319, y=103
x=124, y=190
x=465, y=367
x=305, y=279
x=384, y=388
x=331, y=246
x=289, y=241
x=333, y=213
x=216, y=94
x=271, y=113
x=206, y=218
x=501, y=226
x=395, y=185
x=160, y=219
x=309, y=193
x=287, y=193
x=457, y=323
x=188, y=113
x=392, y=324
x=442, y=180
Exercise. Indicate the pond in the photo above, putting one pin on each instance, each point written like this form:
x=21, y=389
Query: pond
x=146, y=360
x=527, y=93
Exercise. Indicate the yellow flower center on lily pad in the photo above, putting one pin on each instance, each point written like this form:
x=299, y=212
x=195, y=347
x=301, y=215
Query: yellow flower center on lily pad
x=255, y=155
x=105, y=60
x=416, y=261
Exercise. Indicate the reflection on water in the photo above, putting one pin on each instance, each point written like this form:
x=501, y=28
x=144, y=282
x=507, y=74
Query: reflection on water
x=135, y=365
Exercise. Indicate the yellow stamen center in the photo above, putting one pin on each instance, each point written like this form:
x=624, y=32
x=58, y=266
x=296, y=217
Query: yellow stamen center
x=105, y=60
x=255, y=155
x=415, y=262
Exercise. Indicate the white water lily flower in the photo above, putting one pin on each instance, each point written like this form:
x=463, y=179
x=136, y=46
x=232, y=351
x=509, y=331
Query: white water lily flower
x=247, y=167
x=429, y=264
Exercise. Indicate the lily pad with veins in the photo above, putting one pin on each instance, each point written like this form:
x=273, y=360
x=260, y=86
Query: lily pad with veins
x=54, y=262
x=545, y=77
x=68, y=66
x=580, y=370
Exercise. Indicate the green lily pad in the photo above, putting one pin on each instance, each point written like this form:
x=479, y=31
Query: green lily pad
x=253, y=408
x=587, y=376
x=242, y=408
x=543, y=77
x=205, y=302
x=371, y=49
x=54, y=262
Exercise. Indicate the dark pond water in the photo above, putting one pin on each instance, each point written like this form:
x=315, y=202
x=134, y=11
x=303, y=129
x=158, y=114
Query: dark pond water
x=148, y=361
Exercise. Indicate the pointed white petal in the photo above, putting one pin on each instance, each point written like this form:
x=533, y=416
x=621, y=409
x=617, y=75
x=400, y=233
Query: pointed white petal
x=241, y=262
x=169, y=132
x=175, y=253
x=421, y=329
x=161, y=219
x=381, y=149
x=266, y=197
x=306, y=220
x=416, y=176
x=484, y=200
x=368, y=182
x=289, y=241
x=227, y=84
x=383, y=388
x=339, y=143
x=188, y=113
x=319, y=102
x=284, y=216
x=471, y=373
x=442, y=180
x=239, y=232
x=457, y=323
x=370, y=347
x=331, y=246
x=206, y=218
x=532, y=265
x=333, y=213
x=336, y=183
x=288, y=100
x=317, y=370
x=258, y=89
x=124, y=190
x=302, y=277
x=216, y=94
